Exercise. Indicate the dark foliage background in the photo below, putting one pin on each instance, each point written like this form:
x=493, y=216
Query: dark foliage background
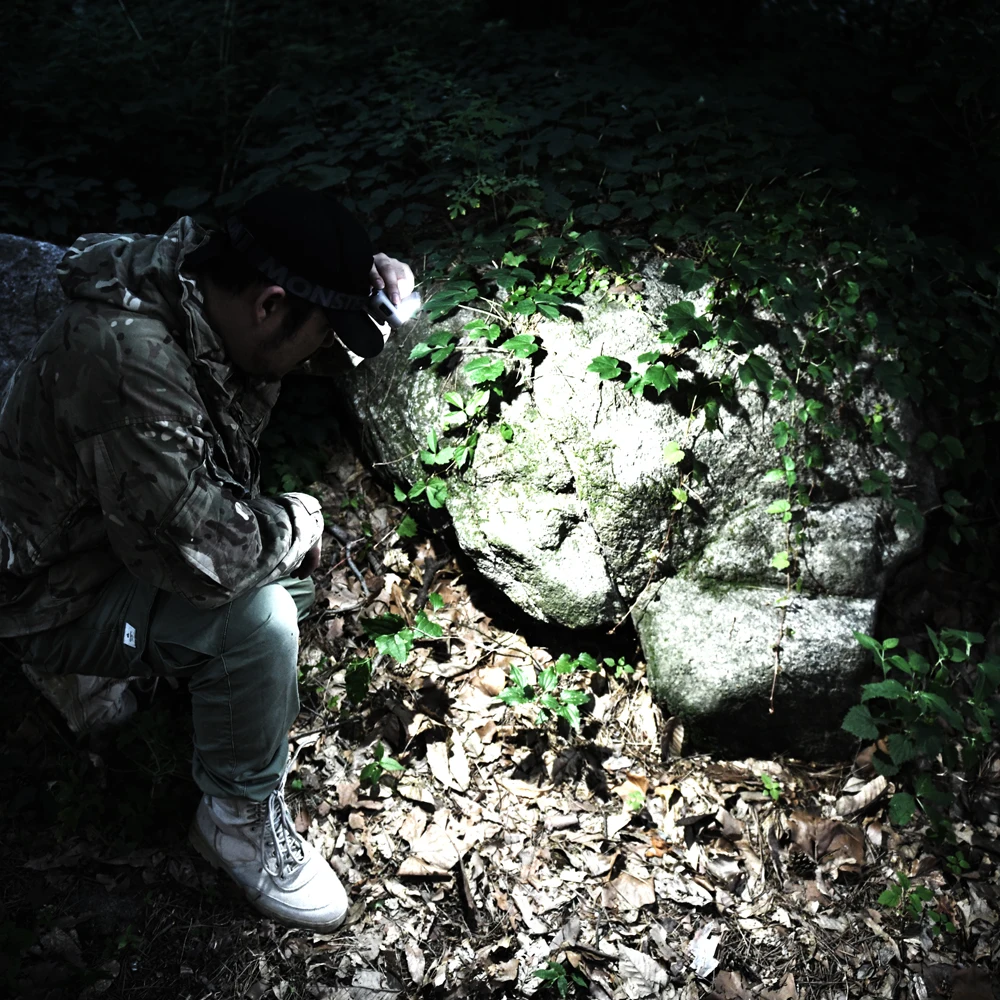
x=111, y=109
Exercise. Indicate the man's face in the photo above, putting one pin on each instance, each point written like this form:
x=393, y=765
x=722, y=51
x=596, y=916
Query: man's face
x=277, y=354
x=260, y=338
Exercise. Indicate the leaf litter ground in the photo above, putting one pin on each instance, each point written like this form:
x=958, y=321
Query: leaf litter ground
x=505, y=847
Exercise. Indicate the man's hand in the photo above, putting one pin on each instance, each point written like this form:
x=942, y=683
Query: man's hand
x=309, y=564
x=392, y=275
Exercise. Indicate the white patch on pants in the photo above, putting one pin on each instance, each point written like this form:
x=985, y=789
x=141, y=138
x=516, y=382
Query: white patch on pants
x=129, y=639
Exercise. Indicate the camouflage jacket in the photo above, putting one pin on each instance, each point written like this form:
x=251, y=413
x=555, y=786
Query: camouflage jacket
x=127, y=439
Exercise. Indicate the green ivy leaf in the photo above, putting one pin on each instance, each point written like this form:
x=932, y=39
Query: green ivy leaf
x=673, y=453
x=859, y=722
x=430, y=629
x=890, y=689
x=437, y=492
x=370, y=773
x=902, y=806
x=387, y=624
x=661, y=377
x=872, y=645
x=523, y=345
x=482, y=370
x=407, y=528
x=398, y=646
x=891, y=897
x=525, y=307
x=901, y=748
x=756, y=369
x=357, y=679
x=605, y=367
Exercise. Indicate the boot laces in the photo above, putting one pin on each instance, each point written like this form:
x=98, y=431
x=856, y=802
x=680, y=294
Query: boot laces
x=281, y=845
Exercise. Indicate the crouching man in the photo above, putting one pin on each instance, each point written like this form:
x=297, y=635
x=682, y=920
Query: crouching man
x=134, y=542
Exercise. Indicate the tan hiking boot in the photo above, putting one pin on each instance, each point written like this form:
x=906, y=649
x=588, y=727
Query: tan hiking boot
x=281, y=873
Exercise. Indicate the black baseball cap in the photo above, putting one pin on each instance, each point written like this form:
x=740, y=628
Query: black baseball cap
x=309, y=244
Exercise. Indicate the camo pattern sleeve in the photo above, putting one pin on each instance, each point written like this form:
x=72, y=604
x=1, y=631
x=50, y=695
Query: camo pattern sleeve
x=174, y=522
x=174, y=512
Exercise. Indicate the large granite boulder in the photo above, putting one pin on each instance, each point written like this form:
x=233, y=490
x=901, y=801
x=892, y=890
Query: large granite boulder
x=31, y=297
x=576, y=521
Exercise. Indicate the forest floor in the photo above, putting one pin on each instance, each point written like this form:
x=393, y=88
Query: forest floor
x=608, y=858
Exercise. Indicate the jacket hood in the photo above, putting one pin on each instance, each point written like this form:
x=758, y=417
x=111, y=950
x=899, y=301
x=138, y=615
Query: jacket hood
x=145, y=275
x=133, y=272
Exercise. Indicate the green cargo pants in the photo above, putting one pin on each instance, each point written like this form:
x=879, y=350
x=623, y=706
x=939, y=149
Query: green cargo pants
x=240, y=660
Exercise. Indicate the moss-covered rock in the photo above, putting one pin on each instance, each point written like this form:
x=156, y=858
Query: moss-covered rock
x=576, y=520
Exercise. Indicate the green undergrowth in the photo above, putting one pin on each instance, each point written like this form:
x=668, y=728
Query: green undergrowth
x=933, y=721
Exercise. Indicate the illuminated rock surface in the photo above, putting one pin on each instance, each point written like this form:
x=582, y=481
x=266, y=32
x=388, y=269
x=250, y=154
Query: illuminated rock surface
x=570, y=519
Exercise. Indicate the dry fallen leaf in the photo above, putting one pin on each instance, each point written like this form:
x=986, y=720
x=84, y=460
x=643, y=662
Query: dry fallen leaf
x=634, y=784
x=702, y=948
x=458, y=763
x=415, y=793
x=827, y=840
x=729, y=986
x=629, y=892
x=415, y=961
x=433, y=852
x=437, y=760
x=615, y=823
x=786, y=991
x=847, y=805
x=491, y=680
x=641, y=975
x=413, y=825
x=522, y=789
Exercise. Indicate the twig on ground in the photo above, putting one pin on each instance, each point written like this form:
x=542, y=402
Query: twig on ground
x=429, y=573
x=354, y=568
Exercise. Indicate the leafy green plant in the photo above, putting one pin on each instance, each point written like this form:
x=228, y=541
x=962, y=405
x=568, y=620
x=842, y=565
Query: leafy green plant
x=560, y=978
x=620, y=666
x=373, y=772
x=434, y=489
x=657, y=376
x=957, y=863
x=913, y=900
x=771, y=786
x=407, y=527
x=927, y=716
x=549, y=691
x=392, y=636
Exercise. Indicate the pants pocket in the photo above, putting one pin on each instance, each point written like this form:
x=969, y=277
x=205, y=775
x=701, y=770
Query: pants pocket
x=108, y=641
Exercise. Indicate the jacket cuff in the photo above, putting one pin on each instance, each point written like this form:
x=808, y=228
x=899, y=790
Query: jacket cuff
x=307, y=520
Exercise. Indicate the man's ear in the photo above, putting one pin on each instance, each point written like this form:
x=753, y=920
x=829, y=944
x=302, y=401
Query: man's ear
x=267, y=301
